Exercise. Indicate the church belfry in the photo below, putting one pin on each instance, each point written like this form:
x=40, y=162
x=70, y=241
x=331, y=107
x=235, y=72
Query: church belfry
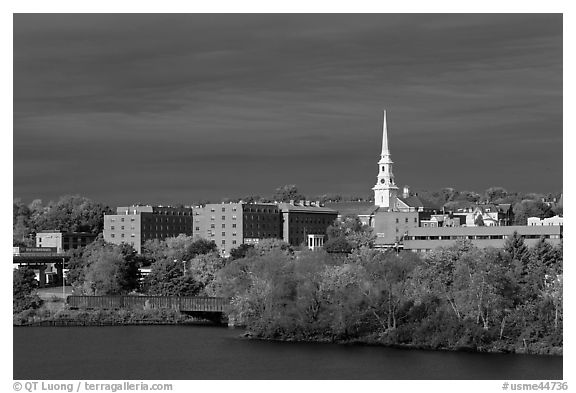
x=385, y=190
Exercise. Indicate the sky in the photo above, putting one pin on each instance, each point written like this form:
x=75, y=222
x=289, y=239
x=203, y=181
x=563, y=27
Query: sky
x=176, y=108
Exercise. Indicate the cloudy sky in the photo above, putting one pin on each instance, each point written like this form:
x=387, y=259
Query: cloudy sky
x=172, y=108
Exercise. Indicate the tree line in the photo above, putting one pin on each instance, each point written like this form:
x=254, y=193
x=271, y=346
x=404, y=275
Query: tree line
x=70, y=213
x=454, y=297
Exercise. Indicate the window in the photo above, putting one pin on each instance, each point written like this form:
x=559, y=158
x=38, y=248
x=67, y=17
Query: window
x=122, y=227
x=233, y=217
x=132, y=235
x=223, y=217
x=397, y=221
x=122, y=219
x=233, y=241
x=415, y=220
x=212, y=218
x=212, y=226
x=406, y=220
x=197, y=228
x=112, y=228
x=223, y=242
x=223, y=226
x=223, y=233
x=223, y=209
x=122, y=235
x=112, y=235
x=212, y=209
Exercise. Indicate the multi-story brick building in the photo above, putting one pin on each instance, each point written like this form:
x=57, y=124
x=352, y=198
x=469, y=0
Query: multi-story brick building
x=136, y=224
x=231, y=224
x=301, y=220
x=64, y=241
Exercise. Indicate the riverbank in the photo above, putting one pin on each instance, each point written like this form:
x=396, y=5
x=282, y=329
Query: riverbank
x=382, y=341
x=66, y=317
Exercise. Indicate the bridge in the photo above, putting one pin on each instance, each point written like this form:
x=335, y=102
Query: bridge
x=46, y=262
x=211, y=308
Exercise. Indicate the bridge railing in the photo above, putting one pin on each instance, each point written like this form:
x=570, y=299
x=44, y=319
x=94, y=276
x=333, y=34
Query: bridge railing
x=180, y=303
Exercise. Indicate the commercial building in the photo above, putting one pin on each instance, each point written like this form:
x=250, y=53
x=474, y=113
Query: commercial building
x=301, y=220
x=425, y=239
x=64, y=241
x=536, y=221
x=232, y=224
x=136, y=224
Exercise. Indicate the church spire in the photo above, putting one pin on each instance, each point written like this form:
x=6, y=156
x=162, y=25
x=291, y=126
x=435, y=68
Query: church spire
x=385, y=190
x=385, y=150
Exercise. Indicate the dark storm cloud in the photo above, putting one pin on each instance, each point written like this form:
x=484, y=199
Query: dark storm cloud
x=172, y=108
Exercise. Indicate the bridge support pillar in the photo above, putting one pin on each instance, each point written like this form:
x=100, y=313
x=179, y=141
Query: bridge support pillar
x=60, y=273
x=42, y=276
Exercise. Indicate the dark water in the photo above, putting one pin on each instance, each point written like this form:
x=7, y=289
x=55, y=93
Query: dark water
x=200, y=352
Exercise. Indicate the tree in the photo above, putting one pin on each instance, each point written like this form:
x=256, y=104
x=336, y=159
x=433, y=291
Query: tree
x=528, y=208
x=181, y=247
x=516, y=249
x=479, y=221
x=242, y=251
x=352, y=230
x=203, y=269
x=267, y=246
x=24, y=285
x=338, y=245
x=21, y=224
x=167, y=278
x=287, y=193
x=104, y=269
x=494, y=193
x=73, y=213
x=201, y=246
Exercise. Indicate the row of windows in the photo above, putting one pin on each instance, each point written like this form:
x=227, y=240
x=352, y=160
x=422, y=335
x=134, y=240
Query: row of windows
x=258, y=226
x=253, y=217
x=213, y=233
x=478, y=237
x=172, y=213
x=113, y=235
x=310, y=220
x=213, y=209
x=406, y=220
x=154, y=227
x=261, y=210
x=223, y=218
x=121, y=219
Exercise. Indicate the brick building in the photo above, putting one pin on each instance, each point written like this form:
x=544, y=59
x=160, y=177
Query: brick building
x=136, y=224
x=301, y=220
x=231, y=224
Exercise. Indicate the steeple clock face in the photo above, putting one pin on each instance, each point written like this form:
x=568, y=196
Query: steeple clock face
x=382, y=181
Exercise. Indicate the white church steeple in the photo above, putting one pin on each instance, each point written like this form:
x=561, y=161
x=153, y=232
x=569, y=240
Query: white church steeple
x=385, y=190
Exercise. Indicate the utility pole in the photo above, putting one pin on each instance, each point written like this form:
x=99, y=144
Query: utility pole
x=63, y=282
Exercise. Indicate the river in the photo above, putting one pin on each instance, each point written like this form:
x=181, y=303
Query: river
x=208, y=352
